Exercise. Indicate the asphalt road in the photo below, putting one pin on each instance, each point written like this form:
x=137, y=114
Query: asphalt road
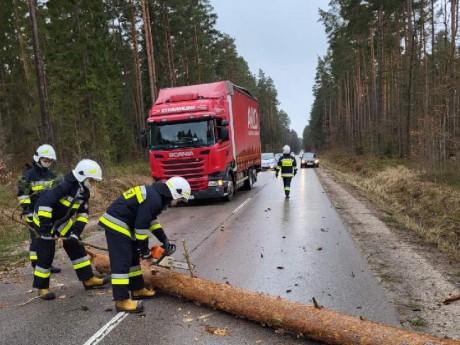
x=295, y=248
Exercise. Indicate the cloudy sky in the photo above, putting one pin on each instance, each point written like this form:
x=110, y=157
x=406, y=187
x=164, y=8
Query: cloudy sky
x=284, y=39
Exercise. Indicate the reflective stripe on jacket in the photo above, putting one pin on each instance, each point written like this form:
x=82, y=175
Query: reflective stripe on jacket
x=31, y=183
x=57, y=206
x=135, y=212
x=287, y=165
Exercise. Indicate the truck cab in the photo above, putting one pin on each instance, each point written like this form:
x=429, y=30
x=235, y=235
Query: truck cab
x=205, y=134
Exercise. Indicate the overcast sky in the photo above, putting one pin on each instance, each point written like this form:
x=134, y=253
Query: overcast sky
x=284, y=39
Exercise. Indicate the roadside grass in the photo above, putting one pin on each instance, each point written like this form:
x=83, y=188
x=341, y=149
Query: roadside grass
x=14, y=236
x=12, y=248
x=418, y=322
x=409, y=198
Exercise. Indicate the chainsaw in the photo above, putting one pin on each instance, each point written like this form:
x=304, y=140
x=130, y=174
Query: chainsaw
x=164, y=259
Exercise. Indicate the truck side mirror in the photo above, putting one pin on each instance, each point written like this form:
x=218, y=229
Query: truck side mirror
x=225, y=135
x=143, y=138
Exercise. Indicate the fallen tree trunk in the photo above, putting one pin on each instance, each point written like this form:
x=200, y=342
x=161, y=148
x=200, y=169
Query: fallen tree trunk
x=319, y=324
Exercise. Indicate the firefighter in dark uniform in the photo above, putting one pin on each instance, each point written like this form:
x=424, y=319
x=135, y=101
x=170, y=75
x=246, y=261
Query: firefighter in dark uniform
x=53, y=217
x=287, y=165
x=127, y=224
x=31, y=184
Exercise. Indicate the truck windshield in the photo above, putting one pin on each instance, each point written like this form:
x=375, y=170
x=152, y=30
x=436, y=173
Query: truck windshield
x=182, y=134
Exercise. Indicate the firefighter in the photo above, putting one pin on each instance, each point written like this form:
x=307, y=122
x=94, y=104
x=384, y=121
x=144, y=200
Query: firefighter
x=127, y=223
x=53, y=217
x=288, y=167
x=32, y=183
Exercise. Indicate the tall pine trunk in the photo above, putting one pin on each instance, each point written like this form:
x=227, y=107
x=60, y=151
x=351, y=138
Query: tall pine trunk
x=148, y=37
x=46, y=131
x=138, y=97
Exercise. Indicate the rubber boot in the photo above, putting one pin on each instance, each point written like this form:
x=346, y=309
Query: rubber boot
x=46, y=294
x=129, y=306
x=94, y=282
x=55, y=269
x=143, y=293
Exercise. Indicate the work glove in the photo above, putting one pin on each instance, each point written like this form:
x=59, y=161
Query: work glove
x=27, y=213
x=73, y=238
x=47, y=236
x=295, y=172
x=145, y=254
x=168, y=247
x=276, y=174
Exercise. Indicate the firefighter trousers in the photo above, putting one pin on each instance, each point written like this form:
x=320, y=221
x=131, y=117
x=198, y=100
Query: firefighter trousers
x=287, y=185
x=45, y=256
x=124, y=263
x=32, y=246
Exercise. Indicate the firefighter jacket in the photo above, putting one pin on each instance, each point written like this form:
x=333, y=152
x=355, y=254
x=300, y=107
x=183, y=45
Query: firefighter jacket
x=57, y=206
x=134, y=213
x=30, y=185
x=287, y=165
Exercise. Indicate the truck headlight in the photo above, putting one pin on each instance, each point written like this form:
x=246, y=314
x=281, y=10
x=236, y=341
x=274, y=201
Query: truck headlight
x=218, y=183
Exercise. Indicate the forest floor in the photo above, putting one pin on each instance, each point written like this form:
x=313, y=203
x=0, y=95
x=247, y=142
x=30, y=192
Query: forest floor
x=415, y=275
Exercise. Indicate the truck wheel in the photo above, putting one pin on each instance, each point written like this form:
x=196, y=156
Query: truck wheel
x=230, y=189
x=250, y=180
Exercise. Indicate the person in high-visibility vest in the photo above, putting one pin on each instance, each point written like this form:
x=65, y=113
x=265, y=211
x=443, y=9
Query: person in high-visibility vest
x=31, y=184
x=63, y=211
x=127, y=223
x=287, y=165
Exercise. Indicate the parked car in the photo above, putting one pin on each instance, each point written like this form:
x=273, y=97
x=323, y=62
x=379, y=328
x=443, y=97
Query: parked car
x=309, y=159
x=277, y=156
x=268, y=161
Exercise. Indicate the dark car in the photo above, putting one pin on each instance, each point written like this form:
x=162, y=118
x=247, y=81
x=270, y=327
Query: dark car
x=309, y=159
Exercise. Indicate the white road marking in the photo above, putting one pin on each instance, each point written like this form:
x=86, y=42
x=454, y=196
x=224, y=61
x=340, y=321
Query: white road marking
x=99, y=335
x=241, y=206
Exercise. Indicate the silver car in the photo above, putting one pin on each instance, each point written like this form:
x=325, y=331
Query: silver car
x=268, y=161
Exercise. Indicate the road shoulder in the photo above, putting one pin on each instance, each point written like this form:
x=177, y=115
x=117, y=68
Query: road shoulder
x=414, y=277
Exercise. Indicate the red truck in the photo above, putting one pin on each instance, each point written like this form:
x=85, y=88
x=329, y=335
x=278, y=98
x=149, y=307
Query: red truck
x=208, y=134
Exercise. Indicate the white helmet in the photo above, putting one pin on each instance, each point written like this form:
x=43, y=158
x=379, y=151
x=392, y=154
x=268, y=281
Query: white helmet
x=44, y=151
x=87, y=168
x=179, y=187
x=286, y=149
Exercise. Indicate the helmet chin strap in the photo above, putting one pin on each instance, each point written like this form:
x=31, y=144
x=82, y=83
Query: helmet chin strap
x=87, y=183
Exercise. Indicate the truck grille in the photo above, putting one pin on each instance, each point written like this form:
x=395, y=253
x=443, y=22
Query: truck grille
x=191, y=169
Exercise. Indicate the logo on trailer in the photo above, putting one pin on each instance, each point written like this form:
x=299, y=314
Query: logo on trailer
x=252, y=118
x=253, y=121
x=180, y=154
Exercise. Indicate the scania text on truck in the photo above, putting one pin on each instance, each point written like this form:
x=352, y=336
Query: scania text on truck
x=208, y=134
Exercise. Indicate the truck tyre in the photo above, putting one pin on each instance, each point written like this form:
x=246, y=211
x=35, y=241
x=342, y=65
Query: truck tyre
x=230, y=189
x=250, y=180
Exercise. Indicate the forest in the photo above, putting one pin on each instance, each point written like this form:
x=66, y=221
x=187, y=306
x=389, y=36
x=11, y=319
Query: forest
x=81, y=75
x=389, y=84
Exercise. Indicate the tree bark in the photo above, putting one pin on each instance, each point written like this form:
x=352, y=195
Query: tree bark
x=138, y=94
x=317, y=323
x=44, y=116
x=149, y=49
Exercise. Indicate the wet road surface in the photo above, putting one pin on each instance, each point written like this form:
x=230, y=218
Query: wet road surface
x=295, y=248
